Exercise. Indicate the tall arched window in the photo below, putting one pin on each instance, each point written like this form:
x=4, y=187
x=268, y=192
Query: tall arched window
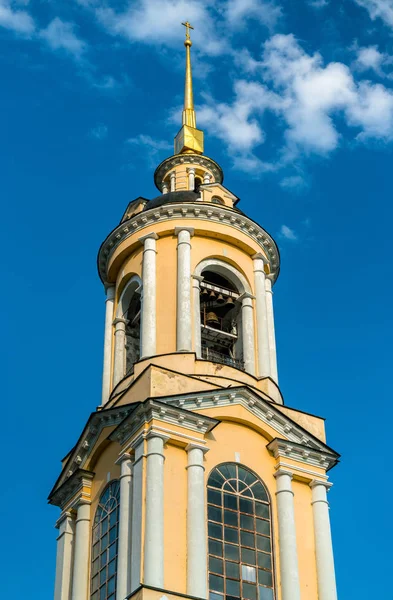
x=104, y=540
x=239, y=530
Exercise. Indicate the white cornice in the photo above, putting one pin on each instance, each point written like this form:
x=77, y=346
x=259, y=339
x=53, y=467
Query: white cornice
x=167, y=413
x=265, y=411
x=302, y=453
x=79, y=481
x=96, y=423
x=184, y=211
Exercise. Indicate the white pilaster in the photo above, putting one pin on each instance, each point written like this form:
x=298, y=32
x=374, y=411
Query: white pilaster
x=66, y=527
x=80, y=579
x=149, y=309
x=323, y=541
x=196, y=523
x=191, y=178
x=154, y=511
x=270, y=325
x=106, y=372
x=196, y=280
x=183, y=309
x=136, y=518
x=262, y=326
x=125, y=532
x=248, y=336
x=173, y=181
x=165, y=187
x=290, y=586
x=120, y=350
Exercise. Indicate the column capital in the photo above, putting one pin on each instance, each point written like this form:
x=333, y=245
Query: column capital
x=198, y=278
x=180, y=229
x=148, y=236
x=110, y=290
x=260, y=256
x=66, y=515
x=191, y=170
x=194, y=446
x=281, y=472
x=156, y=434
x=246, y=296
x=120, y=320
x=125, y=456
x=315, y=482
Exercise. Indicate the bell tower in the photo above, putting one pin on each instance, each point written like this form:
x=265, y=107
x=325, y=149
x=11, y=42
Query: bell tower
x=193, y=479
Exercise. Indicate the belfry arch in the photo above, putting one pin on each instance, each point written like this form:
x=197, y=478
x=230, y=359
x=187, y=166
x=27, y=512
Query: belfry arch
x=223, y=315
x=127, y=329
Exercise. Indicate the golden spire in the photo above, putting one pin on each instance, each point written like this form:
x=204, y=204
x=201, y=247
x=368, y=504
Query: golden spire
x=189, y=139
x=189, y=117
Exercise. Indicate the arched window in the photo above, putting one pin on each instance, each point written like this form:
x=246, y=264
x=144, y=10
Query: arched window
x=239, y=530
x=104, y=544
x=218, y=200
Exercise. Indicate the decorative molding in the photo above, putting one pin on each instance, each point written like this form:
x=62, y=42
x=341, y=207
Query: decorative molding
x=85, y=445
x=205, y=212
x=167, y=413
x=187, y=159
x=264, y=410
x=79, y=480
x=302, y=453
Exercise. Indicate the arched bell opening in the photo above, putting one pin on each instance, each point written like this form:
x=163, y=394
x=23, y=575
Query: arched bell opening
x=133, y=333
x=220, y=319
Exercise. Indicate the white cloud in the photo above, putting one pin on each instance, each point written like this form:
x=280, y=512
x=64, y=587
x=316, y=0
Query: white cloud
x=370, y=58
x=152, y=148
x=382, y=9
x=99, y=132
x=318, y=3
x=293, y=182
x=19, y=21
x=237, y=12
x=60, y=35
x=288, y=233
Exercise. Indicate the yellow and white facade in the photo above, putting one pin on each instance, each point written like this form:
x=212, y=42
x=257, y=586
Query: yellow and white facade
x=193, y=479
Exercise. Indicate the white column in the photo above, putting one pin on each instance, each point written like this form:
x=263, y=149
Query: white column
x=148, y=327
x=196, y=279
x=173, y=181
x=270, y=325
x=120, y=350
x=125, y=531
x=183, y=309
x=154, y=511
x=290, y=586
x=323, y=541
x=65, y=540
x=106, y=374
x=191, y=179
x=206, y=178
x=164, y=187
x=80, y=580
x=196, y=523
x=262, y=327
x=248, y=332
x=136, y=519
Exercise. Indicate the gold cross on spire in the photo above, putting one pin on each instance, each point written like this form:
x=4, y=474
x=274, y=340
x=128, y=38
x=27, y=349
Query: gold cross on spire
x=188, y=26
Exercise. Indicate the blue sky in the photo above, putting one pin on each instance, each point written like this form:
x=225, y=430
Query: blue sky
x=296, y=99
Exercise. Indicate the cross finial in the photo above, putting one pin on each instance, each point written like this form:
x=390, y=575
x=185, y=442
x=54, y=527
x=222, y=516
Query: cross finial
x=188, y=26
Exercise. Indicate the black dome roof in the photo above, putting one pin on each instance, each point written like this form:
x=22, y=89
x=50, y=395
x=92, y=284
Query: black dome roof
x=171, y=197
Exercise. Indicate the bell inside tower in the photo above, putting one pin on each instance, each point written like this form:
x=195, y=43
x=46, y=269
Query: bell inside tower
x=220, y=321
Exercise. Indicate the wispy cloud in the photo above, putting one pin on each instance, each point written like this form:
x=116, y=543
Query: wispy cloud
x=61, y=35
x=382, y=9
x=287, y=233
x=19, y=21
x=99, y=132
x=293, y=183
x=152, y=148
